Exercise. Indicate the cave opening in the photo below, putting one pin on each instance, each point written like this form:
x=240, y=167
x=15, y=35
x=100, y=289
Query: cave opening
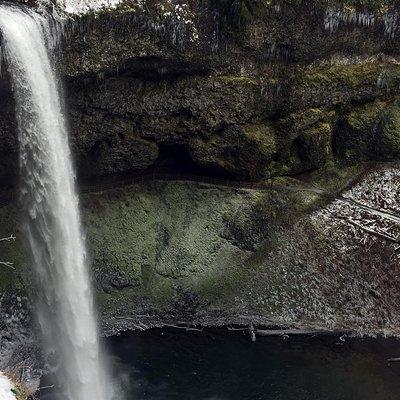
x=175, y=159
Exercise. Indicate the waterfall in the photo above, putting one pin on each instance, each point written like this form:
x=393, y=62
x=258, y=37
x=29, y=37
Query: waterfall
x=53, y=227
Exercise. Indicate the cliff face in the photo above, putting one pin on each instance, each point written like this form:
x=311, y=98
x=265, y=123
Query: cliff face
x=264, y=92
x=261, y=91
x=257, y=91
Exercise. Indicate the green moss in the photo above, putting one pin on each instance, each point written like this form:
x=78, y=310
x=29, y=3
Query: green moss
x=289, y=162
x=315, y=145
x=156, y=236
x=378, y=7
x=351, y=75
x=334, y=178
x=300, y=121
x=177, y=236
x=386, y=140
x=121, y=233
x=243, y=151
x=307, y=136
x=221, y=286
x=20, y=392
x=243, y=80
x=354, y=139
x=20, y=389
x=363, y=118
x=264, y=137
x=372, y=132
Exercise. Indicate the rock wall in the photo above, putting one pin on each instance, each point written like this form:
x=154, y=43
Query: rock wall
x=248, y=91
x=300, y=98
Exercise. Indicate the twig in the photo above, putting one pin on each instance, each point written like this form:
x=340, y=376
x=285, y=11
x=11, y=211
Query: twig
x=288, y=332
x=186, y=328
x=46, y=387
x=7, y=264
x=237, y=329
x=8, y=239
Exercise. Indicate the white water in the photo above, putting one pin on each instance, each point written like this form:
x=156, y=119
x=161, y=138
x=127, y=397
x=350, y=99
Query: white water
x=65, y=306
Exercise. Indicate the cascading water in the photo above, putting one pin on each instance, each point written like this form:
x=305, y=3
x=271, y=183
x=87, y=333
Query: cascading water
x=65, y=306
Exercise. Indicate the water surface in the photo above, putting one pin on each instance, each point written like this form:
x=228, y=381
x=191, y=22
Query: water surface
x=181, y=365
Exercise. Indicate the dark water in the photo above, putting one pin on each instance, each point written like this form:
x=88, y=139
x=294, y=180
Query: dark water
x=183, y=365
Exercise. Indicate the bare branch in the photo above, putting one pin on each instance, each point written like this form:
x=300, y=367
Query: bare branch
x=7, y=264
x=8, y=239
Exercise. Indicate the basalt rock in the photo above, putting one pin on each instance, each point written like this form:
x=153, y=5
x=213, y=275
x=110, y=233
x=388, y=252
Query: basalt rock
x=142, y=77
x=291, y=253
x=201, y=84
x=270, y=91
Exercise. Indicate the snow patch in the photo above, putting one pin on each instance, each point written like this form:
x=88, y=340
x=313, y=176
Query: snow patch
x=83, y=6
x=6, y=388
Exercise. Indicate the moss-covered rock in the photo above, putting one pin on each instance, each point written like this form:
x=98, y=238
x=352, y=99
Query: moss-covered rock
x=353, y=142
x=369, y=132
x=106, y=145
x=386, y=137
x=244, y=152
x=167, y=252
x=307, y=137
x=363, y=118
x=315, y=145
x=142, y=76
x=343, y=83
x=163, y=237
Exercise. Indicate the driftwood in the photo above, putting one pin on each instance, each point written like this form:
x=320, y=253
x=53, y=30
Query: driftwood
x=186, y=328
x=365, y=229
x=237, y=329
x=291, y=332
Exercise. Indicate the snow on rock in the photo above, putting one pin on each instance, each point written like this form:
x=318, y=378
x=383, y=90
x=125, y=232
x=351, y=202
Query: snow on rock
x=369, y=211
x=337, y=268
x=82, y=6
x=6, y=388
x=379, y=190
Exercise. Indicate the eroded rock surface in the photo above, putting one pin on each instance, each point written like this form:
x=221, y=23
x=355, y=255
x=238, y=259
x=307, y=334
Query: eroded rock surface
x=257, y=90
x=197, y=253
x=303, y=92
